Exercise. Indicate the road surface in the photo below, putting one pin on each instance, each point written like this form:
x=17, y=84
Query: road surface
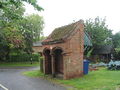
x=12, y=79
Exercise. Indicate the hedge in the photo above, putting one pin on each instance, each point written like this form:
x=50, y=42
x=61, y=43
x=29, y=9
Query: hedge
x=41, y=64
x=24, y=58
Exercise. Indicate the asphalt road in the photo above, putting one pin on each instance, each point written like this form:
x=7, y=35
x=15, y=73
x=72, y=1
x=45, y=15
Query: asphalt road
x=12, y=79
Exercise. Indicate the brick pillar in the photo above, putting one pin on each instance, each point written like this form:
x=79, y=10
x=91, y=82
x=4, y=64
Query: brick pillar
x=53, y=64
x=81, y=37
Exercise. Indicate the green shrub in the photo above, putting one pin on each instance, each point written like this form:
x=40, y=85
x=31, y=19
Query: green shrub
x=24, y=58
x=117, y=54
x=41, y=64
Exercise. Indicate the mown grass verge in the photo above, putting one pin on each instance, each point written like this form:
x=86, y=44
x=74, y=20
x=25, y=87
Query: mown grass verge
x=95, y=80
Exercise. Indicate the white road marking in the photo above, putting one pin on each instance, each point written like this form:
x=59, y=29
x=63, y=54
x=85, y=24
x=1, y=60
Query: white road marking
x=3, y=87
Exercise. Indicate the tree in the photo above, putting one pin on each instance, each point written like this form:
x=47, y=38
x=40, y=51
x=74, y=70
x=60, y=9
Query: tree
x=11, y=35
x=3, y=46
x=32, y=30
x=116, y=40
x=116, y=43
x=98, y=30
x=17, y=3
x=11, y=10
x=33, y=24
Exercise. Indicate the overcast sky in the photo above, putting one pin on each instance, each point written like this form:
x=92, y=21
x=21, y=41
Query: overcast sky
x=61, y=12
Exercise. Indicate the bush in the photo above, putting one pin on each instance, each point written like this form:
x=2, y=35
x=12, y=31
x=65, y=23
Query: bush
x=24, y=58
x=117, y=53
x=114, y=65
x=41, y=64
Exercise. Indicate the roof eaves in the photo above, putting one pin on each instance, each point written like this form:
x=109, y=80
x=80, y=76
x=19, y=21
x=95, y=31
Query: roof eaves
x=53, y=42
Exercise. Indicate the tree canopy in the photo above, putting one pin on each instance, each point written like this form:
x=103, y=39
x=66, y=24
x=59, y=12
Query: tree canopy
x=32, y=30
x=116, y=40
x=18, y=3
x=98, y=31
x=17, y=31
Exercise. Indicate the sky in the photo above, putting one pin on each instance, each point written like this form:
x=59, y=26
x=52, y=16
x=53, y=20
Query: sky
x=62, y=12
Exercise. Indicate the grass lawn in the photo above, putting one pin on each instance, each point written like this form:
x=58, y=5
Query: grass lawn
x=34, y=73
x=19, y=64
x=95, y=80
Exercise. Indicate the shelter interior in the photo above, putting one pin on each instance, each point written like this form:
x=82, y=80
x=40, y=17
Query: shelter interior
x=53, y=61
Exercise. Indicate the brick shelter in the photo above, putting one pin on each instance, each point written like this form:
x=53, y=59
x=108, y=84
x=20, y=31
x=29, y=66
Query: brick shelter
x=63, y=51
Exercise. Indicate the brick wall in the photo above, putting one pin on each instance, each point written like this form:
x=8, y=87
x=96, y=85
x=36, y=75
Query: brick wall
x=37, y=49
x=74, y=63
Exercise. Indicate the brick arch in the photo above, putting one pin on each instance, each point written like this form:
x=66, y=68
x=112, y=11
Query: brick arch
x=46, y=48
x=58, y=60
x=56, y=48
x=47, y=61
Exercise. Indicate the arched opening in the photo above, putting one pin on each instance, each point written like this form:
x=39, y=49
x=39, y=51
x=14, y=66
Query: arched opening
x=48, y=66
x=58, y=60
